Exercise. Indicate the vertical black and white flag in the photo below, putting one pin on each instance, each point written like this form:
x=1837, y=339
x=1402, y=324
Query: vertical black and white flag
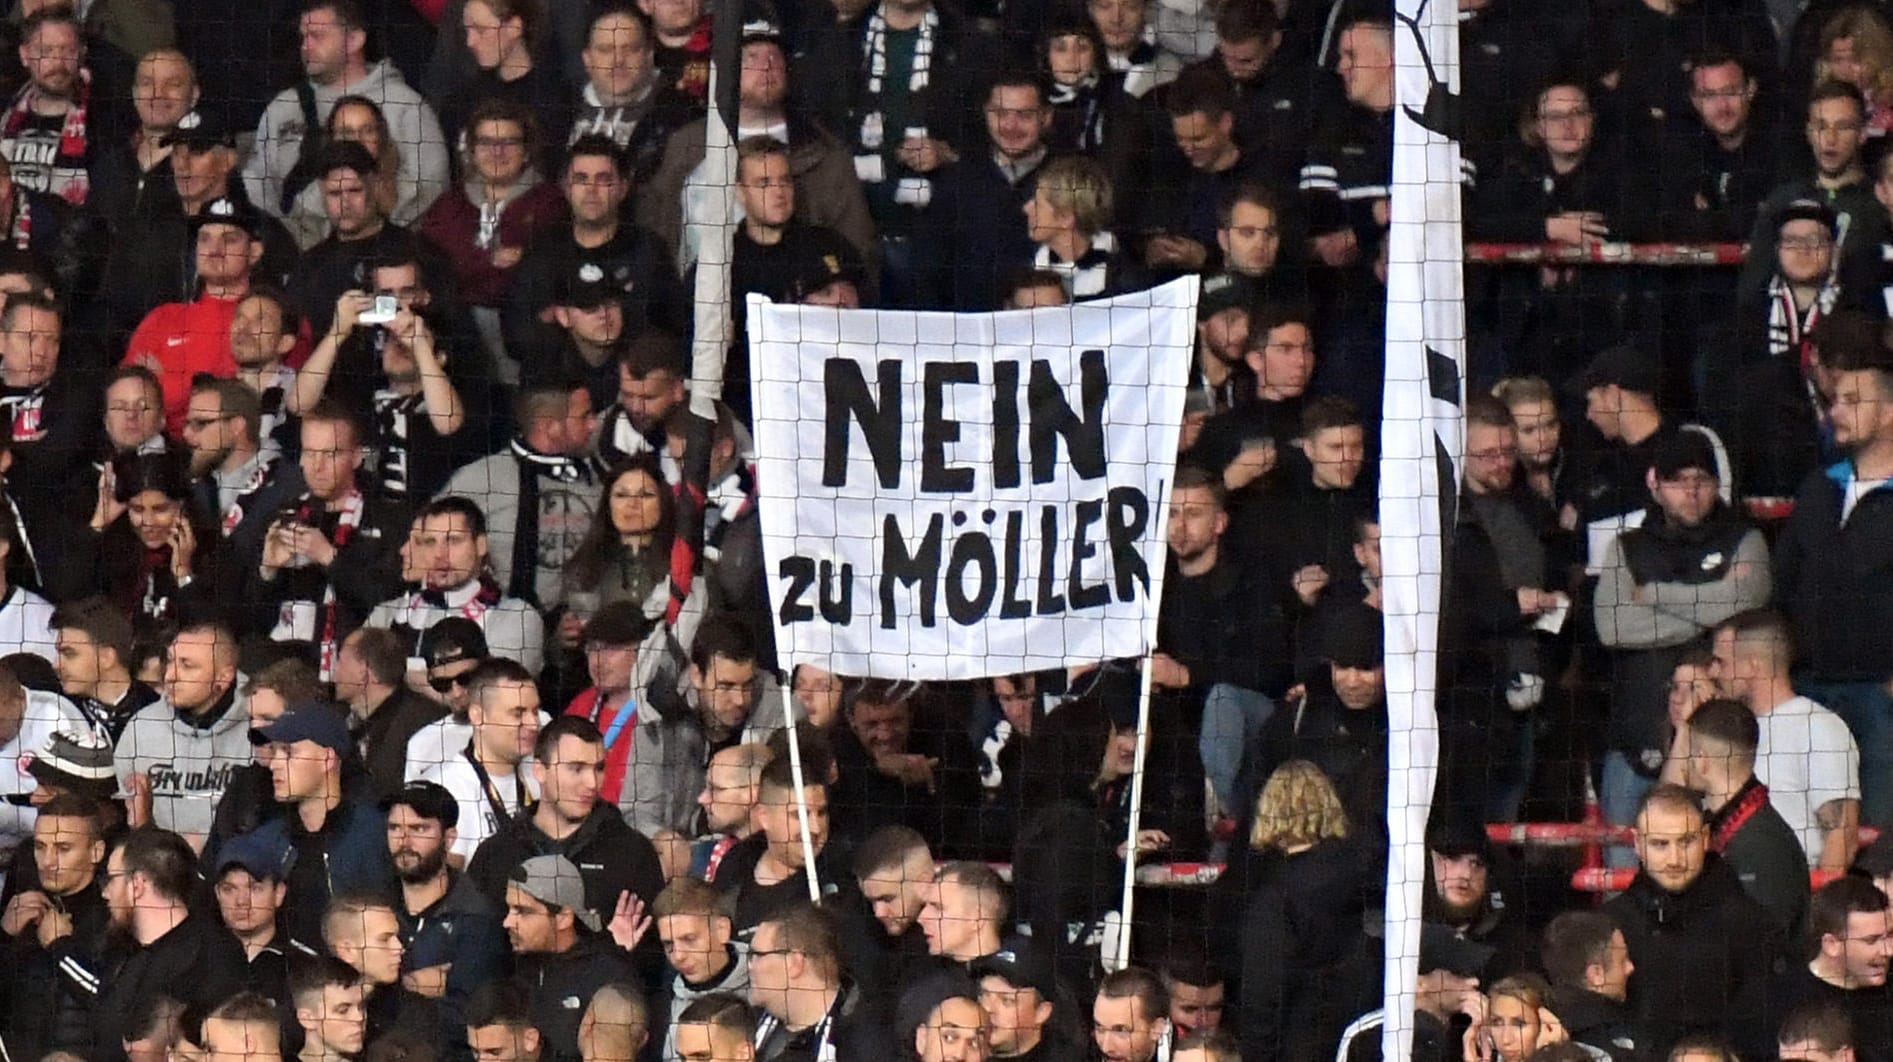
x=1422, y=438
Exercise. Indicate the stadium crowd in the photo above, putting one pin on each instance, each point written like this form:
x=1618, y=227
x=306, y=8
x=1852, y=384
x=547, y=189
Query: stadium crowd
x=386, y=661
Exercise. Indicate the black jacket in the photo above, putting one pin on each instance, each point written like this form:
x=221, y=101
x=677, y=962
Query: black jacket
x=1303, y=954
x=864, y=799
x=197, y=962
x=154, y=261
x=1836, y=582
x=1702, y=955
x=1224, y=629
x=612, y=857
x=55, y=991
x=975, y=232
x=633, y=259
x=562, y=985
x=1601, y=1022
x=366, y=571
x=1765, y=853
x=1349, y=746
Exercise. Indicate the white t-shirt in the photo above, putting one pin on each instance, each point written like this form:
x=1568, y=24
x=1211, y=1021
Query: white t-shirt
x=1806, y=758
x=26, y=624
x=479, y=819
x=435, y=744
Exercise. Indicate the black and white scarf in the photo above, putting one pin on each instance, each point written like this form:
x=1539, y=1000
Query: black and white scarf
x=533, y=464
x=913, y=190
x=1090, y=275
x=1082, y=103
x=393, y=412
x=1790, y=329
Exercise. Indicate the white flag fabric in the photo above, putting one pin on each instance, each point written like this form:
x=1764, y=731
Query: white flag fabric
x=953, y=496
x=1422, y=438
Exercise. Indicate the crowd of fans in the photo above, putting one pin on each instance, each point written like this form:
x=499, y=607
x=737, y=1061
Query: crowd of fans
x=386, y=663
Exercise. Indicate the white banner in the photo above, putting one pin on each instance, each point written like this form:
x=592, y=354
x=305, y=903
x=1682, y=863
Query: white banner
x=951, y=496
x=1422, y=438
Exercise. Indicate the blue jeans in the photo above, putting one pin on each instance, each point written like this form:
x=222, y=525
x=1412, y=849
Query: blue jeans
x=1623, y=790
x=1232, y=721
x=1868, y=712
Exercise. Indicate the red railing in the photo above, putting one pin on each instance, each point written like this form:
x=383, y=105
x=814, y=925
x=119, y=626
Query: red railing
x=1607, y=253
x=1607, y=879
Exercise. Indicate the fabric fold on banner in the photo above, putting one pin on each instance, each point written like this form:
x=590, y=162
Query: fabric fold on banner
x=1422, y=440
x=953, y=496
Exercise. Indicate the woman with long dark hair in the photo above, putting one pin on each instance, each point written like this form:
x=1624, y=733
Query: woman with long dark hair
x=141, y=548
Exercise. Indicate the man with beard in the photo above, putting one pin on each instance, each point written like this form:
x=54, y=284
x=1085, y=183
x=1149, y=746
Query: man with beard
x=406, y=369
x=56, y=933
x=1850, y=926
x=652, y=389
x=175, y=952
x=178, y=756
x=451, y=933
x=1490, y=658
x=1462, y=903
x=1703, y=948
x=539, y=491
x=265, y=331
x=383, y=714
x=240, y=481
x=449, y=538
x=1832, y=566
x=1222, y=332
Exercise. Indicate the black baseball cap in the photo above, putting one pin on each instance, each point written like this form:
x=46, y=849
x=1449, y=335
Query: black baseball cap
x=307, y=722
x=429, y=800
x=589, y=284
x=1622, y=365
x=813, y=271
x=202, y=128
x=230, y=210
x=1685, y=450
x=619, y=623
x=1224, y=291
x=452, y=640
x=924, y=996
x=1021, y=963
x=1809, y=210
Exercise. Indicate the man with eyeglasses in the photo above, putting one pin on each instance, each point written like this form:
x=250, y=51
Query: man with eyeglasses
x=240, y=483
x=1503, y=582
x=811, y=1008
x=134, y=414
x=1836, y=135
x=1719, y=162
x=451, y=935
x=973, y=230
x=674, y=741
x=1019, y=991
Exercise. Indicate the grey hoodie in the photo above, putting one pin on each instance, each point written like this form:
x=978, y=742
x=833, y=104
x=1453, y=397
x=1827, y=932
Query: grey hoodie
x=188, y=767
x=413, y=124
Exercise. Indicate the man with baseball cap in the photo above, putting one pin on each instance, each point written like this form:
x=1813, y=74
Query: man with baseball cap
x=624, y=676
x=1693, y=562
x=1019, y=992
x=939, y=1019
x=451, y=935
x=828, y=279
x=181, y=340
x=449, y=650
x=559, y=948
x=250, y=886
x=340, y=843
x=150, y=263
x=588, y=306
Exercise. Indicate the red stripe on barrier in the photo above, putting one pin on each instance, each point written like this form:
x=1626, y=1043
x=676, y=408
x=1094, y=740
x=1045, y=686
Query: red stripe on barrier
x=1607, y=254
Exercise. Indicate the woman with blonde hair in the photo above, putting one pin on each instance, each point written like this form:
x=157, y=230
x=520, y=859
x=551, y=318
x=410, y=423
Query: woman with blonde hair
x=1517, y=1023
x=1302, y=889
x=1069, y=217
x=1857, y=48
